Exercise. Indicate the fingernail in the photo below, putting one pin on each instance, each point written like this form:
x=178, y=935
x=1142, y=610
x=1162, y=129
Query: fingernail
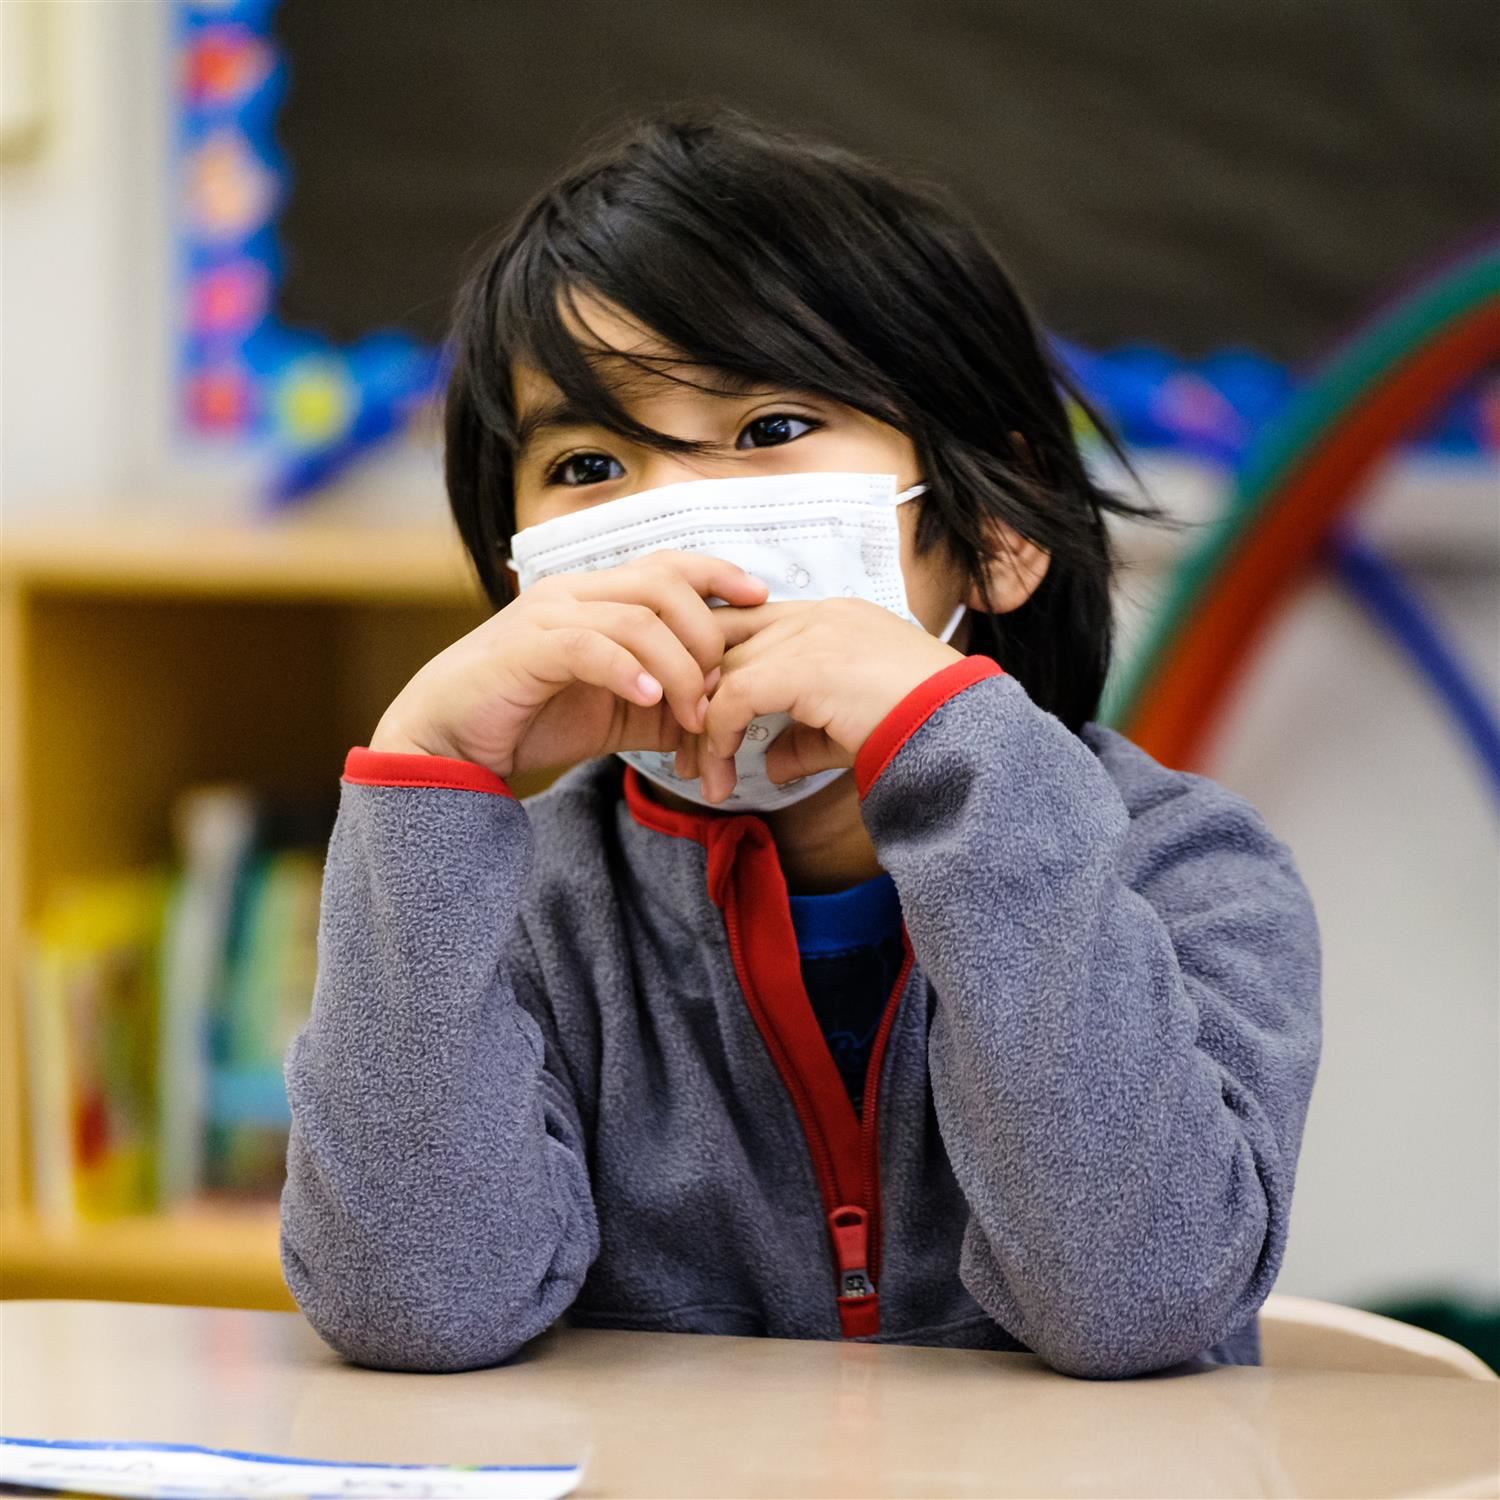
x=702, y=710
x=648, y=685
x=711, y=681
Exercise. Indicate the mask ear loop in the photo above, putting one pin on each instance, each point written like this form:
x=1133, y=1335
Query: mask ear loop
x=958, y=614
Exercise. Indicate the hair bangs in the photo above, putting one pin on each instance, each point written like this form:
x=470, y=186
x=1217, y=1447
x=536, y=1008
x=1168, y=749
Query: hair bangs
x=714, y=279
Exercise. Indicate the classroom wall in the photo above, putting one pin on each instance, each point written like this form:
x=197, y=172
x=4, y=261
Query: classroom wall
x=1393, y=827
x=1334, y=740
x=1337, y=743
x=84, y=272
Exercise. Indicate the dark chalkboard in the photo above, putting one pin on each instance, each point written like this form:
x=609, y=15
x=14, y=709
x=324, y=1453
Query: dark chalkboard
x=1185, y=173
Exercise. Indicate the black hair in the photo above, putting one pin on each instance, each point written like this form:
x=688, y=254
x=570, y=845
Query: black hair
x=797, y=263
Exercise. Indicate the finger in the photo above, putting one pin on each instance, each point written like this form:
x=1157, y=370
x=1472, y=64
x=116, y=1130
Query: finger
x=687, y=615
x=576, y=653
x=690, y=752
x=708, y=577
x=646, y=635
x=800, y=750
x=739, y=624
x=775, y=635
x=657, y=585
x=686, y=763
x=745, y=692
x=716, y=775
x=713, y=577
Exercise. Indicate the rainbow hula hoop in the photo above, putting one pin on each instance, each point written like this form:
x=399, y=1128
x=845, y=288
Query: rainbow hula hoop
x=1301, y=479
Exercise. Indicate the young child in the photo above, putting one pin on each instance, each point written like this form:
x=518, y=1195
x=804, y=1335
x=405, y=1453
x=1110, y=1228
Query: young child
x=853, y=982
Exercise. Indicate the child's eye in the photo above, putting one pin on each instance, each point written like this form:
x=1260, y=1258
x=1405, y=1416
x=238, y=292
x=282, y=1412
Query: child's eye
x=584, y=468
x=774, y=429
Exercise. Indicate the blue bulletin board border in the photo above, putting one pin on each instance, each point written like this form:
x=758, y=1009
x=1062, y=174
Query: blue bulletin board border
x=310, y=406
x=242, y=376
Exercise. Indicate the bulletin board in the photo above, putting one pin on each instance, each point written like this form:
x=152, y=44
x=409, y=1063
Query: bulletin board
x=1197, y=199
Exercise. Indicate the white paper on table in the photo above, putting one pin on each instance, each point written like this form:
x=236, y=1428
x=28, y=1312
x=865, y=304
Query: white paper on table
x=183, y=1471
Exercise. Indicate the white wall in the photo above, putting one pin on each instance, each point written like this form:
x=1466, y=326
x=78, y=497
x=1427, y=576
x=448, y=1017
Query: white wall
x=83, y=270
x=1342, y=749
x=1393, y=825
x=1332, y=738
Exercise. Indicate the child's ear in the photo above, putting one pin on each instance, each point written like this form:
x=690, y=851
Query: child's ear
x=1016, y=566
x=1013, y=571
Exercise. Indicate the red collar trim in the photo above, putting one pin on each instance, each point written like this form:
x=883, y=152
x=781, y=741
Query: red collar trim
x=721, y=833
x=658, y=817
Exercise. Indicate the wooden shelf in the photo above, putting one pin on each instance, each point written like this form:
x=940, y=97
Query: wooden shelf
x=211, y=1257
x=296, y=558
x=143, y=654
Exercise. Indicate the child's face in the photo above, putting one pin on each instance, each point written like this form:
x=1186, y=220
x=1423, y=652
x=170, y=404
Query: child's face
x=566, y=466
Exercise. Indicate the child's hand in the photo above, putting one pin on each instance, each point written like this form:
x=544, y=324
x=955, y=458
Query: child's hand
x=837, y=666
x=577, y=665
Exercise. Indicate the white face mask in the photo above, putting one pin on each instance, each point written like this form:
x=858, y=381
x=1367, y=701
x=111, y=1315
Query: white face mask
x=809, y=536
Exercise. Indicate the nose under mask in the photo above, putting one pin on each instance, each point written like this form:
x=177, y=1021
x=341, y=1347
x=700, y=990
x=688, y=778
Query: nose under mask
x=809, y=536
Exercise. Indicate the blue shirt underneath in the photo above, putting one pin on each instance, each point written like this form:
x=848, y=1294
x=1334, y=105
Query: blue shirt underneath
x=851, y=951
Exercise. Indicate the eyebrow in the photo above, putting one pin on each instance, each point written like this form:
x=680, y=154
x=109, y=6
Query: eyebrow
x=560, y=412
x=547, y=417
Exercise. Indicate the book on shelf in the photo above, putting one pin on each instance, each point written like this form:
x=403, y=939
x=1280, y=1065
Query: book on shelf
x=157, y=1007
x=214, y=834
x=89, y=1017
x=269, y=971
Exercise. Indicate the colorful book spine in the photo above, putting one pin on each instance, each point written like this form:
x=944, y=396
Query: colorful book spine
x=157, y=1008
x=90, y=1009
x=214, y=830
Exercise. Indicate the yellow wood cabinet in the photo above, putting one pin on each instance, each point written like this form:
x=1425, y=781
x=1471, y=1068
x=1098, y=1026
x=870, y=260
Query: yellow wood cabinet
x=139, y=657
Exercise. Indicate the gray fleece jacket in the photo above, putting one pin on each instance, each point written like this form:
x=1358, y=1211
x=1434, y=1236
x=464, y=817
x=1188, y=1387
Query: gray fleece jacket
x=560, y=1060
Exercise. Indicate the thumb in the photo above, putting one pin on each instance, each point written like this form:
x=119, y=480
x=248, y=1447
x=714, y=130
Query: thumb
x=799, y=750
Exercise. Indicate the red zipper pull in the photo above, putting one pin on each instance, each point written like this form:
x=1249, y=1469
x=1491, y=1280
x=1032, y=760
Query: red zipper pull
x=859, y=1307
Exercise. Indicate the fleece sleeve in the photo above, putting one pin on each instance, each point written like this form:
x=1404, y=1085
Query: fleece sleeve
x=1126, y=1023
x=437, y=1212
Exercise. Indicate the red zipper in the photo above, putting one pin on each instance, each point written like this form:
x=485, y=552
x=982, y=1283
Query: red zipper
x=818, y=1145
x=739, y=882
x=854, y=1226
x=869, y=1119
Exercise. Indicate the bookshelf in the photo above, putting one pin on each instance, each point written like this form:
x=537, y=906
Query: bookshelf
x=140, y=655
x=208, y=1257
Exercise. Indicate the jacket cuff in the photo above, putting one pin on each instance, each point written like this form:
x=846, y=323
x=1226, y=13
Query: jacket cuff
x=368, y=767
x=908, y=716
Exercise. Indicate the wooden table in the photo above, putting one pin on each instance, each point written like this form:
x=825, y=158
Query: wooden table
x=692, y=1415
